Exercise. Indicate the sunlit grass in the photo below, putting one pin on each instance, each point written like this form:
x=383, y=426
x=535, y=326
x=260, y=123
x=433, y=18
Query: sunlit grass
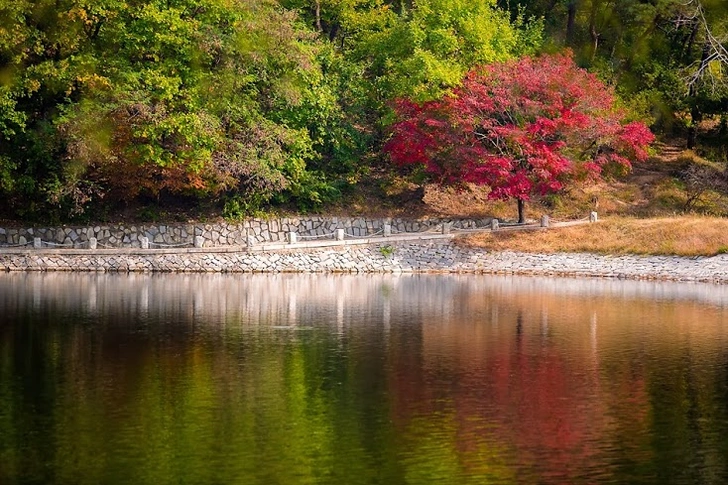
x=682, y=236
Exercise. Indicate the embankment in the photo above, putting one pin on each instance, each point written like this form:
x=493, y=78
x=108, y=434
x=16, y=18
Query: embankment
x=443, y=255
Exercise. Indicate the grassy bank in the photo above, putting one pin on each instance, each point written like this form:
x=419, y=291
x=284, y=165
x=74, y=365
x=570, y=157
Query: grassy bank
x=683, y=236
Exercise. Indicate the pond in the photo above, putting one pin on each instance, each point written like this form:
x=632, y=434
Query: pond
x=314, y=379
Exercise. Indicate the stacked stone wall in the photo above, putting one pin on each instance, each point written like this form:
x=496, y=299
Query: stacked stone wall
x=219, y=234
x=420, y=257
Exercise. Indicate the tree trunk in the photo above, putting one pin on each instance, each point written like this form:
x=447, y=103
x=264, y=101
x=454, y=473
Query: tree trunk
x=521, y=211
x=696, y=115
x=593, y=28
x=695, y=118
x=318, y=16
x=690, y=43
x=595, y=41
x=571, y=21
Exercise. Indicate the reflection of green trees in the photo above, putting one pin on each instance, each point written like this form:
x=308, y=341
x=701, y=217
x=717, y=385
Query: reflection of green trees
x=689, y=421
x=8, y=430
x=189, y=403
x=426, y=460
x=264, y=408
x=669, y=422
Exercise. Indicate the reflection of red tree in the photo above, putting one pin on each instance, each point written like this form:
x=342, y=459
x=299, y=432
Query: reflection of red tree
x=409, y=393
x=545, y=403
x=551, y=411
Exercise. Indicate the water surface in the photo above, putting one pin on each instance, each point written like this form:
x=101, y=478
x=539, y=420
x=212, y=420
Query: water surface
x=298, y=379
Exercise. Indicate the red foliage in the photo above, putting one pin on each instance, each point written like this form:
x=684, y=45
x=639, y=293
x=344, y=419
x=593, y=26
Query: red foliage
x=520, y=127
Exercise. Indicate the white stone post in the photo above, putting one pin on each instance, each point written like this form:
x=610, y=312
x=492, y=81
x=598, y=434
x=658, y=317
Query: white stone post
x=37, y=243
x=387, y=230
x=144, y=241
x=199, y=241
x=92, y=243
x=593, y=217
x=339, y=234
x=544, y=220
x=446, y=226
x=494, y=224
x=292, y=237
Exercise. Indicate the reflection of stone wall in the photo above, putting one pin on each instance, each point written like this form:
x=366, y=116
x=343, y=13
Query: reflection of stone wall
x=222, y=234
x=278, y=299
x=233, y=301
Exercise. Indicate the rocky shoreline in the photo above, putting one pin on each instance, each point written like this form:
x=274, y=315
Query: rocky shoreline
x=439, y=256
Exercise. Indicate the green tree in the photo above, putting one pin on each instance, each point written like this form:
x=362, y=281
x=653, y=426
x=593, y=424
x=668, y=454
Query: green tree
x=418, y=50
x=666, y=57
x=126, y=99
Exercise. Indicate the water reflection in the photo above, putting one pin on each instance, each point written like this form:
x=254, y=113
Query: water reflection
x=361, y=379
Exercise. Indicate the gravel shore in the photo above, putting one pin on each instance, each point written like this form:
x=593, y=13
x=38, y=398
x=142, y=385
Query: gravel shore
x=443, y=256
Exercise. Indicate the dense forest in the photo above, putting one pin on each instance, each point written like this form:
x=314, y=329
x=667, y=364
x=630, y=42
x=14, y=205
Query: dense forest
x=247, y=104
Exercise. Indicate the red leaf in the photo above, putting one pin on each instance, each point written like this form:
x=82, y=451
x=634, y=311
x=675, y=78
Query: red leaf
x=521, y=127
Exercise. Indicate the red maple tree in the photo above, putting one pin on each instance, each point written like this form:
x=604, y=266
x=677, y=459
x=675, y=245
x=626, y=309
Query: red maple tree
x=522, y=127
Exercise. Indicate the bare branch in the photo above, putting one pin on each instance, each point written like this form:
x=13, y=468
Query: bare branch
x=714, y=52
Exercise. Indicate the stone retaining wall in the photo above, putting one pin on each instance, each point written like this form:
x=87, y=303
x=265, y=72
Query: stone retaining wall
x=435, y=256
x=216, y=235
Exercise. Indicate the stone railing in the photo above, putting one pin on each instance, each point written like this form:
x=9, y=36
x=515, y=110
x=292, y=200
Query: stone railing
x=219, y=234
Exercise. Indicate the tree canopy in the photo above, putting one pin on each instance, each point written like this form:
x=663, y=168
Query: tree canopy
x=667, y=57
x=127, y=99
x=245, y=103
x=519, y=127
x=111, y=101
